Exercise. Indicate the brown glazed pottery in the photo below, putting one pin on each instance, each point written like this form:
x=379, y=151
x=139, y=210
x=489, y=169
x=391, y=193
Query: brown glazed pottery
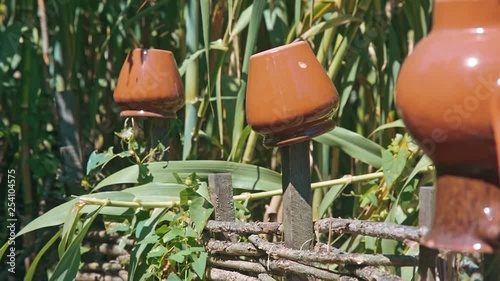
x=447, y=94
x=149, y=85
x=290, y=98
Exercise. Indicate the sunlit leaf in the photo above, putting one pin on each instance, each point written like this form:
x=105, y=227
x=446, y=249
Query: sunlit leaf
x=354, y=144
x=199, y=264
x=200, y=212
x=59, y=214
x=244, y=176
x=67, y=268
x=332, y=194
x=396, y=124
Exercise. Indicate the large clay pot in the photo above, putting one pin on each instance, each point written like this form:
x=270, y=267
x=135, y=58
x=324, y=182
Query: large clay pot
x=149, y=85
x=446, y=94
x=290, y=98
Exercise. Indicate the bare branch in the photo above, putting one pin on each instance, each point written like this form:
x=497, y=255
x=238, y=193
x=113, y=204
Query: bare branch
x=375, y=229
x=239, y=265
x=216, y=274
x=245, y=228
x=334, y=256
x=283, y=266
x=232, y=249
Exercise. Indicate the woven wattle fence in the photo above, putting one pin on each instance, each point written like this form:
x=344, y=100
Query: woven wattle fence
x=245, y=251
x=259, y=259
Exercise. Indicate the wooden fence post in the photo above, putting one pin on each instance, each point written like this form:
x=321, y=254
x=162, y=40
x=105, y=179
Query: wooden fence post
x=427, y=257
x=297, y=209
x=221, y=194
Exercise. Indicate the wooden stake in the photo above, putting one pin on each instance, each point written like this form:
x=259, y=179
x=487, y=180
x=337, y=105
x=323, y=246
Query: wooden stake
x=427, y=257
x=297, y=214
x=221, y=194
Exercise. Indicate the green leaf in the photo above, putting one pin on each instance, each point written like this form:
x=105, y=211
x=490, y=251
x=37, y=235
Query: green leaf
x=156, y=191
x=393, y=167
x=396, y=124
x=98, y=159
x=177, y=257
x=150, y=239
x=67, y=268
x=389, y=246
x=173, y=277
x=172, y=234
x=59, y=214
x=203, y=191
x=4, y=249
x=145, y=175
x=324, y=25
x=242, y=22
x=200, y=212
x=136, y=268
x=69, y=228
x=348, y=85
x=32, y=269
x=199, y=264
x=186, y=195
x=251, y=40
x=157, y=252
x=276, y=20
x=244, y=176
x=332, y=194
x=189, y=232
x=101, y=159
x=237, y=149
x=422, y=164
x=354, y=144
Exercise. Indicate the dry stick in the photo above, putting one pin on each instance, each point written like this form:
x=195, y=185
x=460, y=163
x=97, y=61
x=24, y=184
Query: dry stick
x=239, y=265
x=372, y=273
x=375, y=229
x=336, y=256
x=232, y=249
x=216, y=274
x=286, y=266
x=245, y=227
x=337, y=225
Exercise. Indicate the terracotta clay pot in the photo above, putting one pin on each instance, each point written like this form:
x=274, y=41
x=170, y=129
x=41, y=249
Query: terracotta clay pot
x=445, y=94
x=290, y=98
x=149, y=85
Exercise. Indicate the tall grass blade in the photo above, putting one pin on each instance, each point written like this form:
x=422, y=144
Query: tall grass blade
x=192, y=74
x=354, y=144
x=253, y=29
x=244, y=176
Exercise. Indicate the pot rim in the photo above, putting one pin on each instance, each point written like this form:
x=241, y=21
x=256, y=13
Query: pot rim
x=151, y=50
x=280, y=48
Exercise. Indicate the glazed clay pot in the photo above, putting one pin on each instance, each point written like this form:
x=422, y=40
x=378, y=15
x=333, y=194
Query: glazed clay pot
x=290, y=98
x=149, y=85
x=446, y=94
